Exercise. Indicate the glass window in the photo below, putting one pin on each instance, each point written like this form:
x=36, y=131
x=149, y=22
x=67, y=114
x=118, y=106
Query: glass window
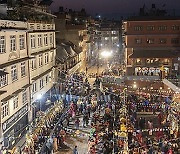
x=138, y=28
x=45, y=39
x=150, y=41
x=38, y=26
x=150, y=27
x=23, y=69
x=2, y=44
x=14, y=75
x=5, y=110
x=51, y=38
x=13, y=42
x=44, y=26
x=21, y=42
x=46, y=59
x=15, y=102
x=162, y=41
x=138, y=40
x=39, y=40
x=34, y=87
x=33, y=64
x=175, y=40
x=175, y=27
x=47, y=79
x=163, y=27
x=41, y=83
x=33, y=41
x=24, y=97
x=40, y=60
x=3, y=79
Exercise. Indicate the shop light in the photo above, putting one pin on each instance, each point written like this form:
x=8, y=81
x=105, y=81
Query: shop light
x=39, y=96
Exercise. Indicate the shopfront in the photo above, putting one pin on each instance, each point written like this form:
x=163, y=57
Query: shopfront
x=151, y=71
x=15, y=127
x=46, y=101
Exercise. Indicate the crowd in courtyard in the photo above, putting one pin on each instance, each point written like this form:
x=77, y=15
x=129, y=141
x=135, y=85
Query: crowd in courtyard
x=115, y=125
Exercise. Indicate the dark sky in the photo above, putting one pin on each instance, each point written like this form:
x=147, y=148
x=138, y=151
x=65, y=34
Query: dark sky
x=124, y=7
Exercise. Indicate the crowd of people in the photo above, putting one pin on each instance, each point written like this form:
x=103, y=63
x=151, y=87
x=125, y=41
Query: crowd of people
x=107, y=122
x=36, y=140
x=150, y=135
x=151, y=103
x=51, y=136
x=114, y=125
x=137, y=134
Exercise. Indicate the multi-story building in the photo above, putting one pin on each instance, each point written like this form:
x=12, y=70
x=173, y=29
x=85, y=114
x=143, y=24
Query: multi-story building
x=151, y=44
x=72, y=27
x=67, y=59
x=27, y=58
x=42, y=51
x=14, y=81
x=93, y=43
x=110, y=36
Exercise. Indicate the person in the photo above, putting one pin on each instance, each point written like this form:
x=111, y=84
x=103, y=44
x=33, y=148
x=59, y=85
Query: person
x=75, y=151
x=150, y=124
x=77, y=123
x=49, y=146
x=84, y=119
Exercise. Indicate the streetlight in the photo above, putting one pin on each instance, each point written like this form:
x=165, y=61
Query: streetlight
x=134, y=85
x=106, y=54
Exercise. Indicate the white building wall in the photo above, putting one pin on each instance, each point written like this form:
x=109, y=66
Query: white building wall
x=37, y=29
x=7, y=60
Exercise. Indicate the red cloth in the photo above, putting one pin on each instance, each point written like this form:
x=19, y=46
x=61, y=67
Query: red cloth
x=159, y=134
x=170, y=151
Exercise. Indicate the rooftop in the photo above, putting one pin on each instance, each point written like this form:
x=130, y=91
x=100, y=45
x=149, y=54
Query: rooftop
x=152, y=18
x=66, y=50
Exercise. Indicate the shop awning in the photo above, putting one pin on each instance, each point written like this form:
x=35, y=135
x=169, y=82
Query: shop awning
x=153, y=54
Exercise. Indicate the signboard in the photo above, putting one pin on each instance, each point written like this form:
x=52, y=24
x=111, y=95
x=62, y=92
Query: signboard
x=12, y=24
x=13, y=119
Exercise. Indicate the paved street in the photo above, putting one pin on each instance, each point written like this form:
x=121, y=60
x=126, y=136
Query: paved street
x=80, y=140
x=94, y=69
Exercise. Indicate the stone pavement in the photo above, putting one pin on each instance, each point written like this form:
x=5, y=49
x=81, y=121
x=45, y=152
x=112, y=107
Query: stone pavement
x=80, y=139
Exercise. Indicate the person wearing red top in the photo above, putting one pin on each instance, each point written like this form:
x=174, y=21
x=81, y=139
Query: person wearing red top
x=170, y=151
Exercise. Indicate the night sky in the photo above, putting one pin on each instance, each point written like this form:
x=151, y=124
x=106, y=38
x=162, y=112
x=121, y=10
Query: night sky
x=120, y=7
